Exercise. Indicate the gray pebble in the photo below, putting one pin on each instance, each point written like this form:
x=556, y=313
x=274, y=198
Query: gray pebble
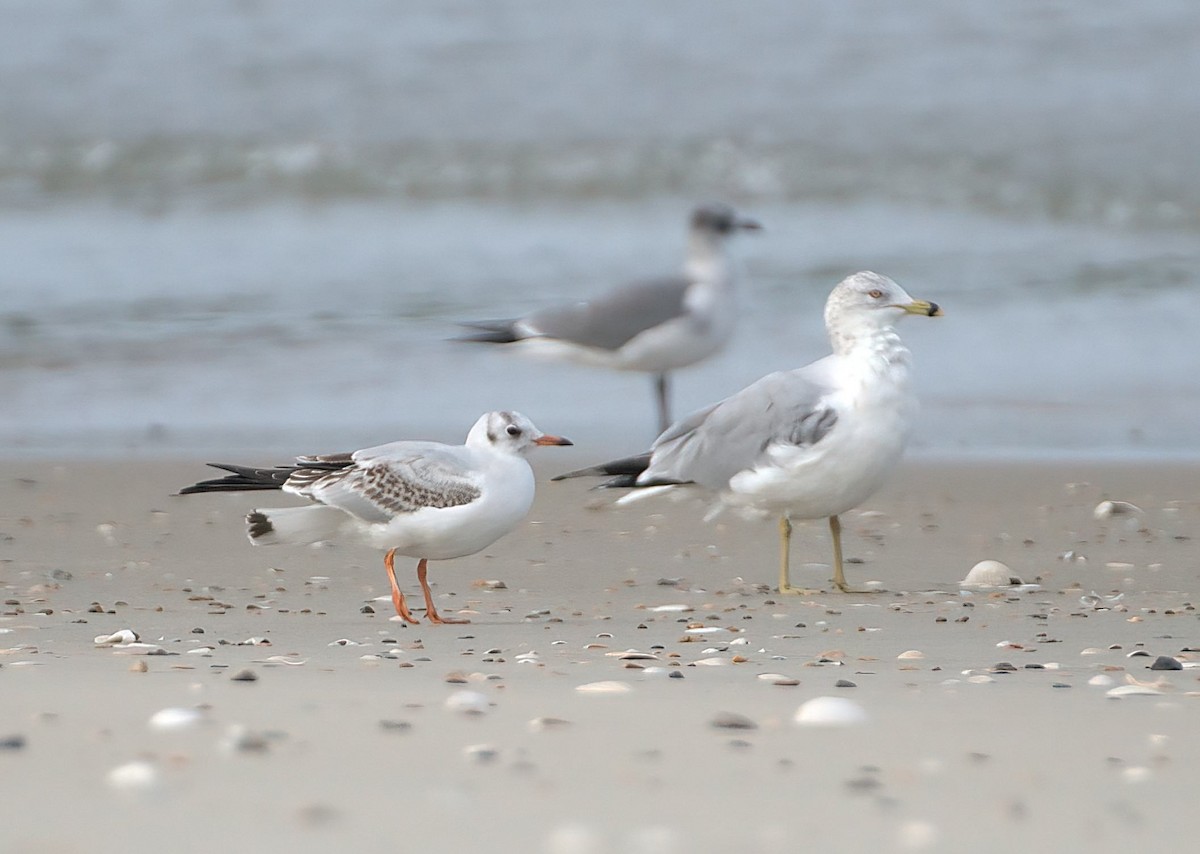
x=1166, y=662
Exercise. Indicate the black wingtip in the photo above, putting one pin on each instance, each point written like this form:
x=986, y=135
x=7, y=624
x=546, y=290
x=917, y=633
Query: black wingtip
x=489, y=332
x=628, y=467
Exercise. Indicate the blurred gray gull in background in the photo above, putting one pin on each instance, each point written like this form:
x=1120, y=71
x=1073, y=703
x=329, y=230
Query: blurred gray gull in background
x=421, y=499
x=808, y=443
x=655, y=326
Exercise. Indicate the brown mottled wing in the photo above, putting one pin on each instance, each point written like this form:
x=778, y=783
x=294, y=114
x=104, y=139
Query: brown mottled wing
x=392, y=480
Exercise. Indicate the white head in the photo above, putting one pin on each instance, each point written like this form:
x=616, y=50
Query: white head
x=510, y=432
x=866, y=304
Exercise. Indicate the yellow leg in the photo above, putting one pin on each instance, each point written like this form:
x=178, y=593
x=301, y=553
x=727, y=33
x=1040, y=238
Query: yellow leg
x=839, y=575
x=785, y=547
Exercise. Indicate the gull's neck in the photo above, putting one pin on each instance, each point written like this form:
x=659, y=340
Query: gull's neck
x=877, y=347
x=708, y=258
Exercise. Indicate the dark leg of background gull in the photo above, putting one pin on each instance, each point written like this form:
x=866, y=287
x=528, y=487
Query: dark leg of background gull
x=662, y=388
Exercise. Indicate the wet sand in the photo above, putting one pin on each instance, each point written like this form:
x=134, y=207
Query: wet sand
x=344, y=740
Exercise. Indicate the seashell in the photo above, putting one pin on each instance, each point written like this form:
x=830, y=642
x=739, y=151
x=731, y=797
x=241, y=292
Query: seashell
x=481, y=753
x=830, y=711
x=1118, y=566
x=1101, y=681
x=606, y=687
x=671, y=609
x=1133, y=691
x=121, y=636
x=206, y=651
x=544, y=724
x=980, y=679
x=467, y=702
x=711, y=662
x=990, y=573
x=138, y=649
x=260, y=642
x=706, y=630
x=1108, y=509
x=633, y=655
x=239, y=738
x=343, y=642
x=910, y=654
x=175, y=718
x=134, y=776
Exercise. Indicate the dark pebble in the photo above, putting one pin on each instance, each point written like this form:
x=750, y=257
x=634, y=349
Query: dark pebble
x=1003, y=667
x=366, y=609
x=395, y=726
x=732, y=720
x=675, y=674
x=844, y=683
x=12, y=742
x=245, y=676
x=1060, y=685
x=1165, y=662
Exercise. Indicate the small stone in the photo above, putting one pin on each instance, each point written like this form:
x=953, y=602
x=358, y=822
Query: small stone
x=1166, y=662
x=138, y=667
x=482, y=754
x=1003, y=667
x=732, y=720
x=844, y=683
x=12, y=742
x=395, y=726
x=245, y=676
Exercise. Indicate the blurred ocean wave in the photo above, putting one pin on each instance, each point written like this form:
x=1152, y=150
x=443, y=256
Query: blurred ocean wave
x=157, y=173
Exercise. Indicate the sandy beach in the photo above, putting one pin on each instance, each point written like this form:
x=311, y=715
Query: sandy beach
x=265, y=707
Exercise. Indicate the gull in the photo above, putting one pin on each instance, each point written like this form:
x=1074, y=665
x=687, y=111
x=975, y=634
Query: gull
x=419, y=499
x=654, y=326
x=808, y=443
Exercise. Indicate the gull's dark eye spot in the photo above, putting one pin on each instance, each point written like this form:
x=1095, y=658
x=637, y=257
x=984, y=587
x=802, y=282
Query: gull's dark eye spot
x=875, y=294
x=514, y=430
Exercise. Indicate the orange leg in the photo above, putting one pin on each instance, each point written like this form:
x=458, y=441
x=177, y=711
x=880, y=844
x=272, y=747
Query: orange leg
x=430, y=611
x=389, y=561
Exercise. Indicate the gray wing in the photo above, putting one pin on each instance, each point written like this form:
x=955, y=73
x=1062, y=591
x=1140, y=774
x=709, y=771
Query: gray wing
x=611, y=321
x=710, y=446
x=391, y=480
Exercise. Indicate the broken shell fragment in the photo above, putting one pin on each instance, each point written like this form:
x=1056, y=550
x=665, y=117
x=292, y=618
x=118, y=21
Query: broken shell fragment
x=122, y=636
x=990, y=573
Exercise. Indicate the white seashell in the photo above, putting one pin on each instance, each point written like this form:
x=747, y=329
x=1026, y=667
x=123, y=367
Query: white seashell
x=830, y=711
x=911, y=654
x=660, y=609
x=1135, y=774
x=711, y=662
x=777, y=678
x=706, y=630
x=577, y=838
x=137, y=649
x=739, y=642
x=255, y=642
x=137, y=776
x=607, y=687
x=481, y=753
x=1100, y=680
x=633, y=655
x=980, y=679
x=917, y=835
x=1132, y=691
x=1108, y=509
x=175, y=718
x=467, y=702
x=122, y=636
x=206, y=651
x=1118, y=566
x=990, y=573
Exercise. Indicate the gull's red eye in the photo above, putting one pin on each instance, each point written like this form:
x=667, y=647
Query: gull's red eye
x=875, y=294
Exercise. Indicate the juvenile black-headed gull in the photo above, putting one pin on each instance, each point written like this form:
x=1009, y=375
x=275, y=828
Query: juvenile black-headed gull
x=808, y=443
x=420, y=499
x=655, y=326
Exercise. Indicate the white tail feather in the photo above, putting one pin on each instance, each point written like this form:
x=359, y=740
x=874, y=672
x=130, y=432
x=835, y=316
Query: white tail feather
x=293, y=525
